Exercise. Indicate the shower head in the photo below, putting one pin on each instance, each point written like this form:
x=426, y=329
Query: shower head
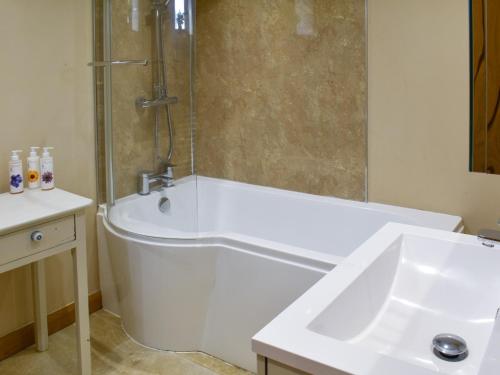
x=160, y=3
x=159, y=6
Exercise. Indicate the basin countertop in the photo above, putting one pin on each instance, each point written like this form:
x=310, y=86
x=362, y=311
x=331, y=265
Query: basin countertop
x=294, y=338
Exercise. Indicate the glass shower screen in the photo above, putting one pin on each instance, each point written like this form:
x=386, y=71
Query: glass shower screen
x=143, y=64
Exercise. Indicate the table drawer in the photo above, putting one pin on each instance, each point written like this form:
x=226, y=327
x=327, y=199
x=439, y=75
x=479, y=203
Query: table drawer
x=50, y=234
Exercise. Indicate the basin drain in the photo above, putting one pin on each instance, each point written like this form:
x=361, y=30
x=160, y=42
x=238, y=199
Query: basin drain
x=450, y=347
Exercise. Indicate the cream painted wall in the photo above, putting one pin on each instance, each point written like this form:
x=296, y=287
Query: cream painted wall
x=418, y=111
x=46, y=99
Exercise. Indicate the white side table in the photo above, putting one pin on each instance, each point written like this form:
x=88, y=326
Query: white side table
x=35, y=225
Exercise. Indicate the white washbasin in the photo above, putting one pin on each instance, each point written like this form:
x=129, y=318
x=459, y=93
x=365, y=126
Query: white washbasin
x=378, y=311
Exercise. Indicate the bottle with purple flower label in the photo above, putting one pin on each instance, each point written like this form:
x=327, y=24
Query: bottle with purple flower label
x=47, y=169
x=16, y=182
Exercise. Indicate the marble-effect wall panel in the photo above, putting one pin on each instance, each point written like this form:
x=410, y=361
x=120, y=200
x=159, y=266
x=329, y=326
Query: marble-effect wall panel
x=281, y=94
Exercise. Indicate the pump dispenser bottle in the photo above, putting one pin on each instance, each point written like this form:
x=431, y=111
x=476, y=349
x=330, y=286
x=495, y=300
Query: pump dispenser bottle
x=16, y=173
x=33, y=169
x=47, y=169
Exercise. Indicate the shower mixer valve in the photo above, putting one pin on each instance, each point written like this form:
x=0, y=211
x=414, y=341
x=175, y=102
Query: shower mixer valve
x=144, y=103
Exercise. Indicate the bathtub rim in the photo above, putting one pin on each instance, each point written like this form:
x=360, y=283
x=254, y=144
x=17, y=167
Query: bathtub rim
x=423, y=218
x=267, y=249
x=448, y=222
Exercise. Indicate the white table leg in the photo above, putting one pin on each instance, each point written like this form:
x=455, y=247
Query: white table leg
x=40, y=305
x=81, y=298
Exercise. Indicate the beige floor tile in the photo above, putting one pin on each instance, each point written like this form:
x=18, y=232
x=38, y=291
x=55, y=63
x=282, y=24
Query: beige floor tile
x=112, y=353
x=214, y=364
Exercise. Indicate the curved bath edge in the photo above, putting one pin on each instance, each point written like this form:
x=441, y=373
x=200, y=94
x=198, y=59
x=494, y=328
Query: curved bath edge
x=293, y=254
x=203, y=297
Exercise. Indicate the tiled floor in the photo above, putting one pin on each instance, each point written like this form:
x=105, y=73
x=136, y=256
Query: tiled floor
x=112, y=353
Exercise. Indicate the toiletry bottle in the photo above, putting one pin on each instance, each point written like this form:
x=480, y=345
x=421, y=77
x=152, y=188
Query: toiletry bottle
x=47, y=169
x=33, y=169
x=16, y=173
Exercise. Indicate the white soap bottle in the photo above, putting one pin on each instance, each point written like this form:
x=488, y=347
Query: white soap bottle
x=47, y=169
x=16, y=173
x=33, y=168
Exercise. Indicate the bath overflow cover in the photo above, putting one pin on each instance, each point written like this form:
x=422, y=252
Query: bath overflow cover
x=450, y=347
x=164, y=204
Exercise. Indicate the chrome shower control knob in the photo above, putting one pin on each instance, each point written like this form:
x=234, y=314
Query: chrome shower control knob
x=36, y=236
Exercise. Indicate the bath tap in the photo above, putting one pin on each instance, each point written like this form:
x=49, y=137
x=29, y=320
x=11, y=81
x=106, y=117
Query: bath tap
x=168, y=176
x=489, y=237
x=146, y=179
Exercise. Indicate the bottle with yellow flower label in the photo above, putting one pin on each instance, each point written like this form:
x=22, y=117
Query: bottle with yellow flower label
x=33, y=169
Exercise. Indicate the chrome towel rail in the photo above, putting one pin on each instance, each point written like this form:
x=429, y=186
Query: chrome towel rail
x=118, y=62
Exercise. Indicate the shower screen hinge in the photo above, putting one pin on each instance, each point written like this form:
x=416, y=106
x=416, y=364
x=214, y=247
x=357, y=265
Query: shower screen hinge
x=97, y=64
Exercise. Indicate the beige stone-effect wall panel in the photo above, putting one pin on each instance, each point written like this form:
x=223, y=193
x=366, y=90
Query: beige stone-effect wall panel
x=281, y=94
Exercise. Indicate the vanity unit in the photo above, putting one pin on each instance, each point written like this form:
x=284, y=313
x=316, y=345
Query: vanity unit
x=410, y=300
x=267, y=366
x=35, y=225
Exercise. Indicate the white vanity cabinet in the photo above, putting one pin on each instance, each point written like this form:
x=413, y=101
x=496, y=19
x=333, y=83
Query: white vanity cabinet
x=35, y=225
x=267, y=366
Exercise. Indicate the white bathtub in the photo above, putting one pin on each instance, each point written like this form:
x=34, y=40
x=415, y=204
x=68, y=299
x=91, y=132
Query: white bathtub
x=241, y=254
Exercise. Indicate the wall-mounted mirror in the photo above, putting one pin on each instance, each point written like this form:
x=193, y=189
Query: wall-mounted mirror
x=485, y=86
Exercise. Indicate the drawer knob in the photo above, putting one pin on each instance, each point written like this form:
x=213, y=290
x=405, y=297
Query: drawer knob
x=36, y=236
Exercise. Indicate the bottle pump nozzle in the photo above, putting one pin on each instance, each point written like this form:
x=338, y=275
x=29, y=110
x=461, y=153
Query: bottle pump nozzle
x=15, y=155
x=33, y=151
x=46, y=150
